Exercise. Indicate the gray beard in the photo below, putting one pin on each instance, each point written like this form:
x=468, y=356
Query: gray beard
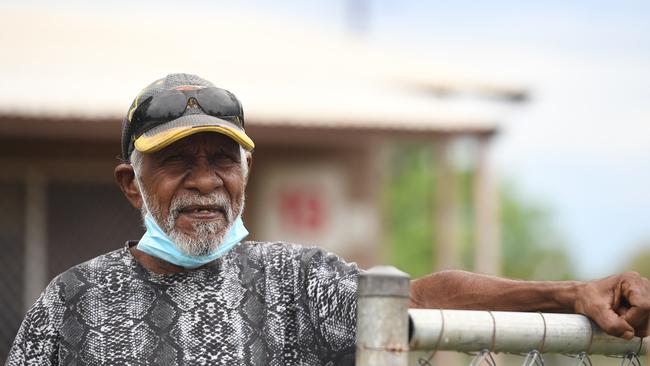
x=206, y=237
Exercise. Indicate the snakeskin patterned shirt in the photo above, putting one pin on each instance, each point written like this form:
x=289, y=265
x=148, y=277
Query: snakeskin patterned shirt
x=261, y=304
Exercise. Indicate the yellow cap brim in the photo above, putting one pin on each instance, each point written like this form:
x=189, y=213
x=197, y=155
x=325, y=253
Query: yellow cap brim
x=149, y=144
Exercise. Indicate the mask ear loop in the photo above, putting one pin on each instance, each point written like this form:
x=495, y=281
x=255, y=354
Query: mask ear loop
x=140, y=190
x=427, y=361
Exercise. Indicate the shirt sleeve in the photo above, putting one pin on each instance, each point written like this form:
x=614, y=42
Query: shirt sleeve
x=37, y=341
x=330, y=292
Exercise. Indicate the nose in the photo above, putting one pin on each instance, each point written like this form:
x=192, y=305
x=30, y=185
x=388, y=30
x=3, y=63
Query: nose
x=203, y=177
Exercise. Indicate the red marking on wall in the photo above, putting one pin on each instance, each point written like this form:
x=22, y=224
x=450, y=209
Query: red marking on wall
x=302, y=210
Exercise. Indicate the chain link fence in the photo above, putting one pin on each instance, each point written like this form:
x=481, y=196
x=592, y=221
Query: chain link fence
x=12, y=223
x=86, y=220
x=83, y=220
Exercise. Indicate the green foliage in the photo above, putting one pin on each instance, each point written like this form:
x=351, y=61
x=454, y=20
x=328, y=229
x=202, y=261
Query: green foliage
x=466, y=233
x=640, y=262
x=408, y=208
x=531, y=246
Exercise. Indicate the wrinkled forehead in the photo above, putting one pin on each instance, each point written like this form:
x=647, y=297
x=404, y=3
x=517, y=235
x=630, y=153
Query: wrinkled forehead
x=204, y=142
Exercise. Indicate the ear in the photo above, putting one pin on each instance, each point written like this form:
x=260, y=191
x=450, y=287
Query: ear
x=249, y=160
x=249, y=164
x=125, y=177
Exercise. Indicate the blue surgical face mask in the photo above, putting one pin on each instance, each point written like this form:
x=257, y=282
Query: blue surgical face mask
x=156, y=243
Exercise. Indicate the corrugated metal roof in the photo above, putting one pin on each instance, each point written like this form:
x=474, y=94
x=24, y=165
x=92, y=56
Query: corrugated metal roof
x=89, y=64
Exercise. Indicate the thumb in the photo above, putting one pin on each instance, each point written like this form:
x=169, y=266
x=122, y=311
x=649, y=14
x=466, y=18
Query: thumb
x=638, y=319
x=613, y=324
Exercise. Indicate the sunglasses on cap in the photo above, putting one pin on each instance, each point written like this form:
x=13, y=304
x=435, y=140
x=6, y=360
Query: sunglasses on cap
x=177, y=106
x=169, y=105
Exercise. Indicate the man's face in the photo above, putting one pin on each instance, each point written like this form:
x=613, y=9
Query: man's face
x=194, y=189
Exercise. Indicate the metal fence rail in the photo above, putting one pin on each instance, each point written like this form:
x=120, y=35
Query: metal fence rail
x=511, y=332
x=387, y=329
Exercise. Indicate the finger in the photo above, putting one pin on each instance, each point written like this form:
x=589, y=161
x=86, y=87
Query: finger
x=637, y=318
x=622, y=310
x=614, y=325
x=618, y=290
x=644, y=331
x=637, y=292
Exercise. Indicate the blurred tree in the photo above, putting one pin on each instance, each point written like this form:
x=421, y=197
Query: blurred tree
x=640, y=261
x=531, y=244
x=408, y=208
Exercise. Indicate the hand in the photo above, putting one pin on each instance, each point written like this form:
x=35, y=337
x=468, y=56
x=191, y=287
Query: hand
x=619, y=304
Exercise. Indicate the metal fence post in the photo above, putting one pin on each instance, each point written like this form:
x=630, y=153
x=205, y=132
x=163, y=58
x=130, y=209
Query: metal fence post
x=382, y=317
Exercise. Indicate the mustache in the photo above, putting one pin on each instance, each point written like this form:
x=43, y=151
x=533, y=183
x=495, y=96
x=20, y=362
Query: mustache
x=214, y=199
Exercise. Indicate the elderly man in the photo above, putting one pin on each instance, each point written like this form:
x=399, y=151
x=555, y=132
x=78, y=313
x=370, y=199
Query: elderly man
x=191, y=292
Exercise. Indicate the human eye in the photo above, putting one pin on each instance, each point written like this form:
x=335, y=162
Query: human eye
x=173, y=159
x=225, y=158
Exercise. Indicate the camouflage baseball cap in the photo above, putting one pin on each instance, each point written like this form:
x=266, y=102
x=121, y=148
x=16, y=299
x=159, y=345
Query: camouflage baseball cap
x=177, y=106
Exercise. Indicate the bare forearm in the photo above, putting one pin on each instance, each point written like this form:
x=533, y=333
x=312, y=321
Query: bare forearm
x=465, y=290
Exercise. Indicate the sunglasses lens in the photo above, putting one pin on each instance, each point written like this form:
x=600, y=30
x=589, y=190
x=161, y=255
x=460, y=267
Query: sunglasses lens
x=218, y=102
x=166, y=107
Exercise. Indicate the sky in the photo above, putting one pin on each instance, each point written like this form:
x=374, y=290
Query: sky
x=581, y=145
